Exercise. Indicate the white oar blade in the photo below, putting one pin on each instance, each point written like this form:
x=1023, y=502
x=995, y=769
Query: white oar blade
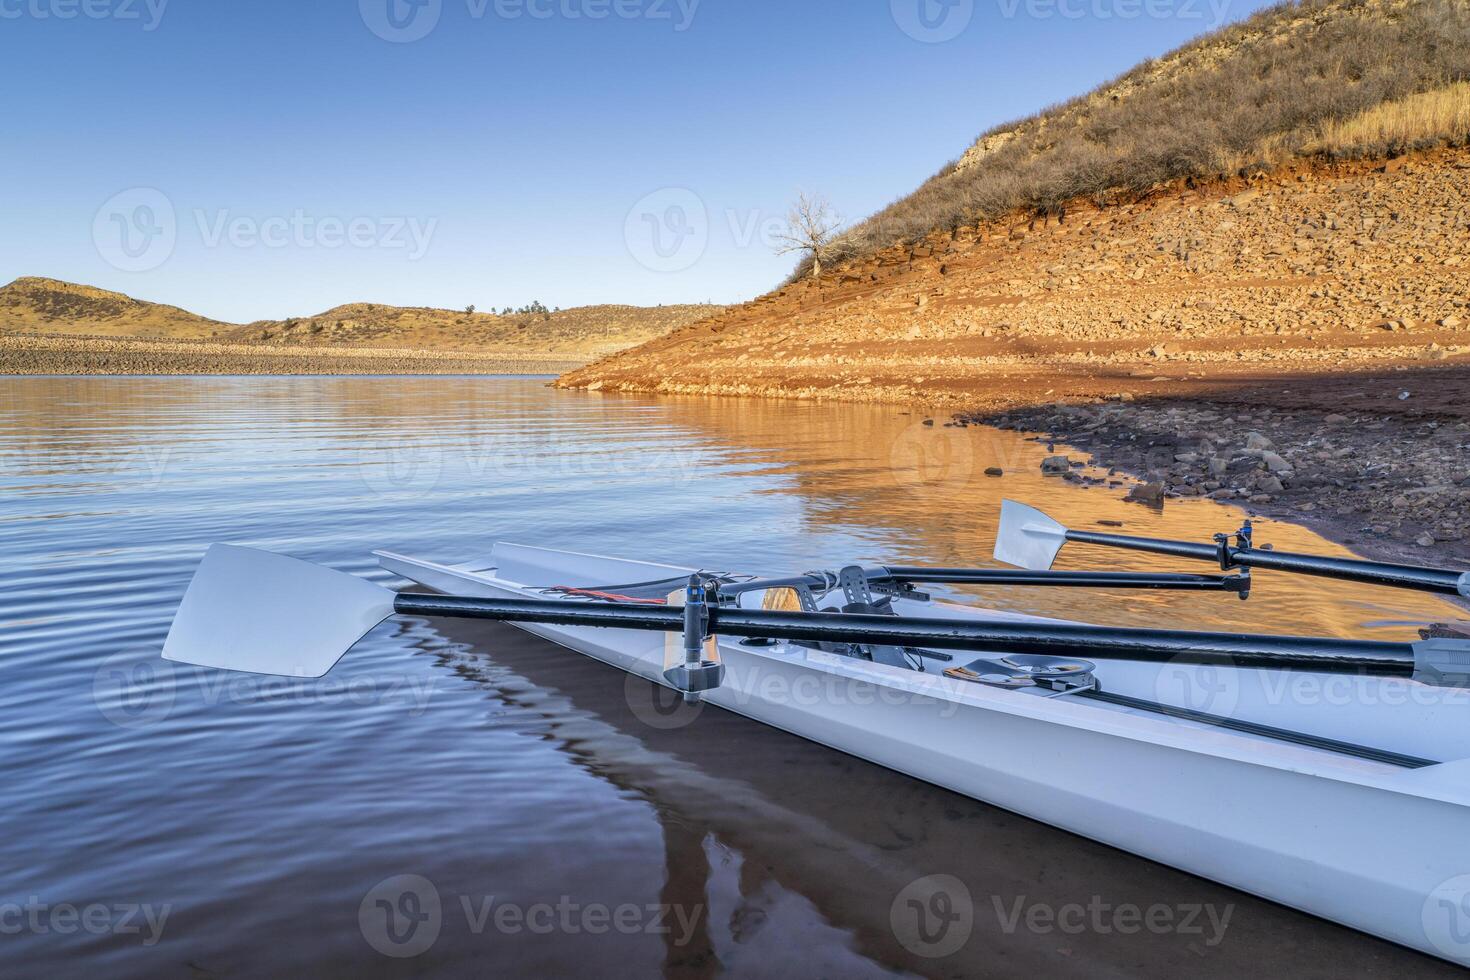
x=1028, y=538
x=262, y=613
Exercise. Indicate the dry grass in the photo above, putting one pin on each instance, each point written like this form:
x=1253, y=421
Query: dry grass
x=1404, y=124
x=1236, y=100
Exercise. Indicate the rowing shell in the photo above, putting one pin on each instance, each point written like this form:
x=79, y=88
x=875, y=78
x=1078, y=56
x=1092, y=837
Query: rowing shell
x=1362, y=820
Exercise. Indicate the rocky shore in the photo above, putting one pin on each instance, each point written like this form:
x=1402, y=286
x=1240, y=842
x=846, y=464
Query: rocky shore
x=26, y=354
x=1386, y=472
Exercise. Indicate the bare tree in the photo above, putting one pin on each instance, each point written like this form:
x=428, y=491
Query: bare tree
x=811, y=227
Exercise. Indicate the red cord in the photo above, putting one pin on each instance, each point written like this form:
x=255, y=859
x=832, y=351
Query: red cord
x=609, y=596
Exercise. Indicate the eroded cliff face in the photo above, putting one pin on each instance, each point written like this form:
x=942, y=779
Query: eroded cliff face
x=1313, y=268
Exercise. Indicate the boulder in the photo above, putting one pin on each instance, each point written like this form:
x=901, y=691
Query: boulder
x=1147, y=493
x=1255, y=442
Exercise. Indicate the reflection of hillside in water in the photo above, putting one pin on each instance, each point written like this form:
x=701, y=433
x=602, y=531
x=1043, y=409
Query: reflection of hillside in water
x=798, y=852
x=924, y=494
x=904, y=491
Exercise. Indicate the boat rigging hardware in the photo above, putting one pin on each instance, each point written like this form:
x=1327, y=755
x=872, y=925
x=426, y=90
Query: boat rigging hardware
x=696, y=676
x=1029, y=539
x=898, y=582
x=854, y=583
x=1442, y=663
x=1057, y=675
x=1244, y=539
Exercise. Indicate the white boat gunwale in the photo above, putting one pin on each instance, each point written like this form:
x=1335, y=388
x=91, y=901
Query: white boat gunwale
x=1091, y=716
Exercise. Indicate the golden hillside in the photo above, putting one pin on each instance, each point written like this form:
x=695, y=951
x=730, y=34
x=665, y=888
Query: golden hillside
x=55, y=308
x=1287, y=82
x=1289, y=194
x=584, y=332
x=50, y=306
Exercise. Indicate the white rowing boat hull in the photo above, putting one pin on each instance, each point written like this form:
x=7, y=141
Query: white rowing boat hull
x=1373, y=846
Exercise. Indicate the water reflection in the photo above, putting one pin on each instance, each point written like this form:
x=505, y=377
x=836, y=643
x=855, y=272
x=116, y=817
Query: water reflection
x=493, y=765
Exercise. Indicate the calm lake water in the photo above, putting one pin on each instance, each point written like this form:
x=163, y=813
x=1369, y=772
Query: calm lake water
x=163, y=821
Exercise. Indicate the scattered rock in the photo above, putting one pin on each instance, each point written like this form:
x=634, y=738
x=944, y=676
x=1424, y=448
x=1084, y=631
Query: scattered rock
x=1275, y=463
x=1147, y=493
x=995, y=471
x=1255, y=442
x=1056, y=465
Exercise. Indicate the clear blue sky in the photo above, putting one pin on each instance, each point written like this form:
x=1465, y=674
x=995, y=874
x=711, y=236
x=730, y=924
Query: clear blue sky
x=263, y=158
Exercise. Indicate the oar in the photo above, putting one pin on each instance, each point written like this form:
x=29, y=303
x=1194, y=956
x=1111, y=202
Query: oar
x=1030, y=539
x=906, y=575
x=258, y=612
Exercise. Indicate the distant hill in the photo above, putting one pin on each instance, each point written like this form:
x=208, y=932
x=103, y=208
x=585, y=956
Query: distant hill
x=586, y=331
x=53, y=307
x=50, y=306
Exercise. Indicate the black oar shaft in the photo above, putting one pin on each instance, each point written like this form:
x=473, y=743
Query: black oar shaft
x=1375, y=573
x=1443, y=581
x=915, y=575
x=1176, y=549
x=1076, y=580
x=1091, y=642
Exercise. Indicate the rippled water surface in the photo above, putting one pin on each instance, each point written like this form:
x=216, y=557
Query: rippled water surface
x=174, y=822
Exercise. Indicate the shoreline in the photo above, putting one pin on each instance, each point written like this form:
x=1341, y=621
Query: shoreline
x=1349, y=457
x=34, y=355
